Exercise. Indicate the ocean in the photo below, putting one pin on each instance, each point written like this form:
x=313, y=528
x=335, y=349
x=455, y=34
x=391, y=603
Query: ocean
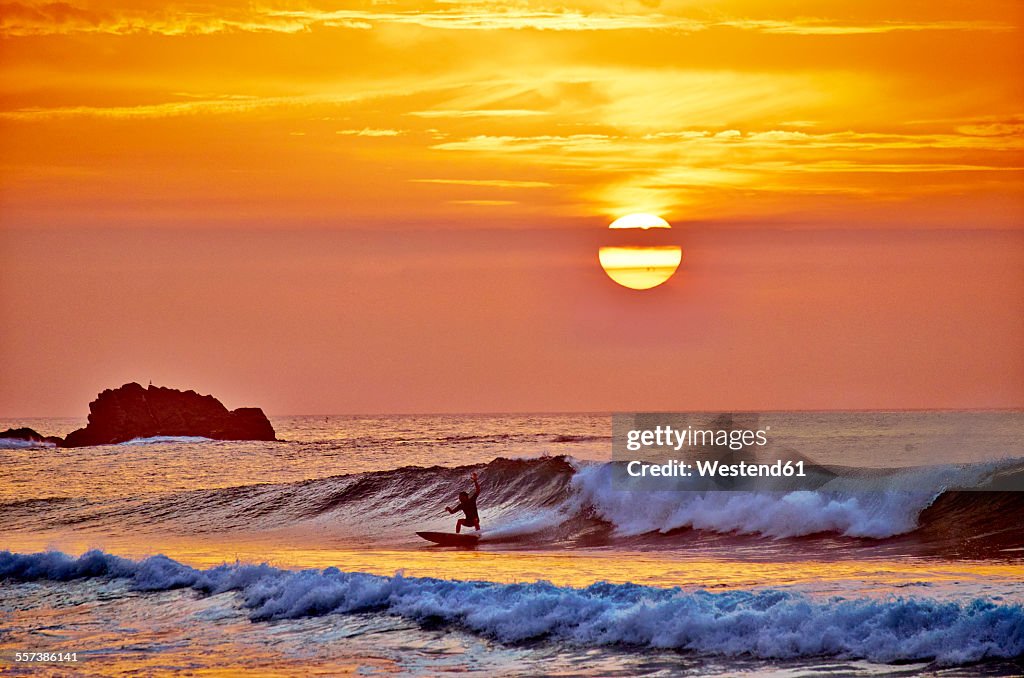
x=299, y=557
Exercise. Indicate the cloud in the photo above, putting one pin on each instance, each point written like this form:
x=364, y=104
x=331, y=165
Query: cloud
x=665, y=170
x=368, y=132
x=208, y=104
x=484, y=203
x=59, y=18
x=479, y=113
x=690, y=140
x=495, y=183
x=484, y=142
x=162, y=110
x=992, y=129
x=21, y=19
x=830, y=27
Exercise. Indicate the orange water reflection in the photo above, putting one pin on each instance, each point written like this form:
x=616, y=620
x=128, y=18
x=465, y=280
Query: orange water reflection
x=565, y=568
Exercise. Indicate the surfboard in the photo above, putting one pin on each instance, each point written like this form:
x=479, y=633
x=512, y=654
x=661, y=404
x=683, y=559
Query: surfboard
x=449, y=539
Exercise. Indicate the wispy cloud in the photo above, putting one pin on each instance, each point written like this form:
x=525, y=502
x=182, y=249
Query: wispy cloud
x=56, y=18
x=484, y=203
x=662, y=171
x=207, y=104
x=510, y=143
x=480, y=113
x=1008, y=138
x=495, y=183
x=161, y=110
x=502, y=17
x=368, y=132
x=832, y=27
x=25, y=19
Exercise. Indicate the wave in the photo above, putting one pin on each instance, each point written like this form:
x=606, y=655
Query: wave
x=863, y=503
x=768, y=624
x=560, y=500
x=19, y=444
x=521, y=437
x=157, y=440
x=565, y=438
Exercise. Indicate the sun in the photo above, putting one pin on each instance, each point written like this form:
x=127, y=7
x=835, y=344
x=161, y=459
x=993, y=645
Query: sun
x=639, y=220
x=636, y=265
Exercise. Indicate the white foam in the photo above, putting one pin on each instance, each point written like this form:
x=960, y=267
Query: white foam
x=767, y=623
x=854, y=507
x=19, y=444
x=158, y=440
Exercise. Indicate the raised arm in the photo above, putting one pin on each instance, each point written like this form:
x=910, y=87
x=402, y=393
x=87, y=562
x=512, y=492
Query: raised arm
x=476, y=484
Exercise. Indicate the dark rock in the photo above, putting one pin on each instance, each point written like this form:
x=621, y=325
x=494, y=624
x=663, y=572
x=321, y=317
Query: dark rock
x=131, y=411
x=30, y=435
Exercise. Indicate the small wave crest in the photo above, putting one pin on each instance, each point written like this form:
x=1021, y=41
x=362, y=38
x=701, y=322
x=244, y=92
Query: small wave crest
x=770, y=624
x=158, y=440
x=565, y=438
x=19, y=444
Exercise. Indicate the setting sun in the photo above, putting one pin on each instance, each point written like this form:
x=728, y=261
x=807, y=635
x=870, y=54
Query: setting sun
x=641, y=220
x=640, y=265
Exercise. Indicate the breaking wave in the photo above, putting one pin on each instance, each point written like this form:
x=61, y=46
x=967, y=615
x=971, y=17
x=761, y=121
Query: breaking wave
x=770, y=624
x=563, y=501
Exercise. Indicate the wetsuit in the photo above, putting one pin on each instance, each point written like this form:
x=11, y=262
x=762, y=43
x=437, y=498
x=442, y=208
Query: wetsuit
x=469, y=508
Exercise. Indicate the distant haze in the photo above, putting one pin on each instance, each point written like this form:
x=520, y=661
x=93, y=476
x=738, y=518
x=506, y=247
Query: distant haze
x=398, y=207
x=299, y=321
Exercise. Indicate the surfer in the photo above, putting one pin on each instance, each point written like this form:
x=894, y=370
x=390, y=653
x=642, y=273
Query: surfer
x=467, y=504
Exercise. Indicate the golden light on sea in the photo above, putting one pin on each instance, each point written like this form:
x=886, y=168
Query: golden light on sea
x=638, y=266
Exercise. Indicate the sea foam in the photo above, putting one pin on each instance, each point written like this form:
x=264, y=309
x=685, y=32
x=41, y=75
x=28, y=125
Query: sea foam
x=157, y=440
x=874, y=507
x=769, y=624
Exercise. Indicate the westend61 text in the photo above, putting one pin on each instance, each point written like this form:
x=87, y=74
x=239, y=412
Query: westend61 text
x=666, y=436
x=715, y=469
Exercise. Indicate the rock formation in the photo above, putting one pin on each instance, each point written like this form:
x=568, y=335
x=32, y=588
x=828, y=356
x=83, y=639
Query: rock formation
x=131, y=411
x=31, y=436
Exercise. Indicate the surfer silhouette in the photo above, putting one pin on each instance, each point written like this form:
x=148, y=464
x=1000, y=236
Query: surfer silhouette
x=467, y=504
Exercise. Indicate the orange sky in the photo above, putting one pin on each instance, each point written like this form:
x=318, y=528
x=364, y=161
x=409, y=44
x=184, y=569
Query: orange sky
x=363, y=207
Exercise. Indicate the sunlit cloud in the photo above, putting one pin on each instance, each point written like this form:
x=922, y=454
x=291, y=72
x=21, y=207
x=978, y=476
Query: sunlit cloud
x=28, y=19
x=56, y=18
x=192, y=107
x=831, y=27
x=479, y=113
x=507, y=17
x=21, y=19
x=660, y=172
x=368, y=132
x=993, y=129
x=495, y=183
x=162, y=110
x=667, y=142
x=510, y=143
x=484, y=203
x=686, y=109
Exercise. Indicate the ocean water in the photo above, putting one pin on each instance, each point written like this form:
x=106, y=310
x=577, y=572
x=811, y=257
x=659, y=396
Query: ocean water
x=300, y=556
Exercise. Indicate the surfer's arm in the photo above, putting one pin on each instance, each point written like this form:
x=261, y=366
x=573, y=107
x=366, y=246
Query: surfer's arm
x=476, y=484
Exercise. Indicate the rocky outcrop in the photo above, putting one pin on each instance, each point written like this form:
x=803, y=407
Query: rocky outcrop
x=31, y=436
x=131, y=411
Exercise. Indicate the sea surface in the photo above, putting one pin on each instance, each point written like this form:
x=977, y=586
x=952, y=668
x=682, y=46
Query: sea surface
x=299, y=557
